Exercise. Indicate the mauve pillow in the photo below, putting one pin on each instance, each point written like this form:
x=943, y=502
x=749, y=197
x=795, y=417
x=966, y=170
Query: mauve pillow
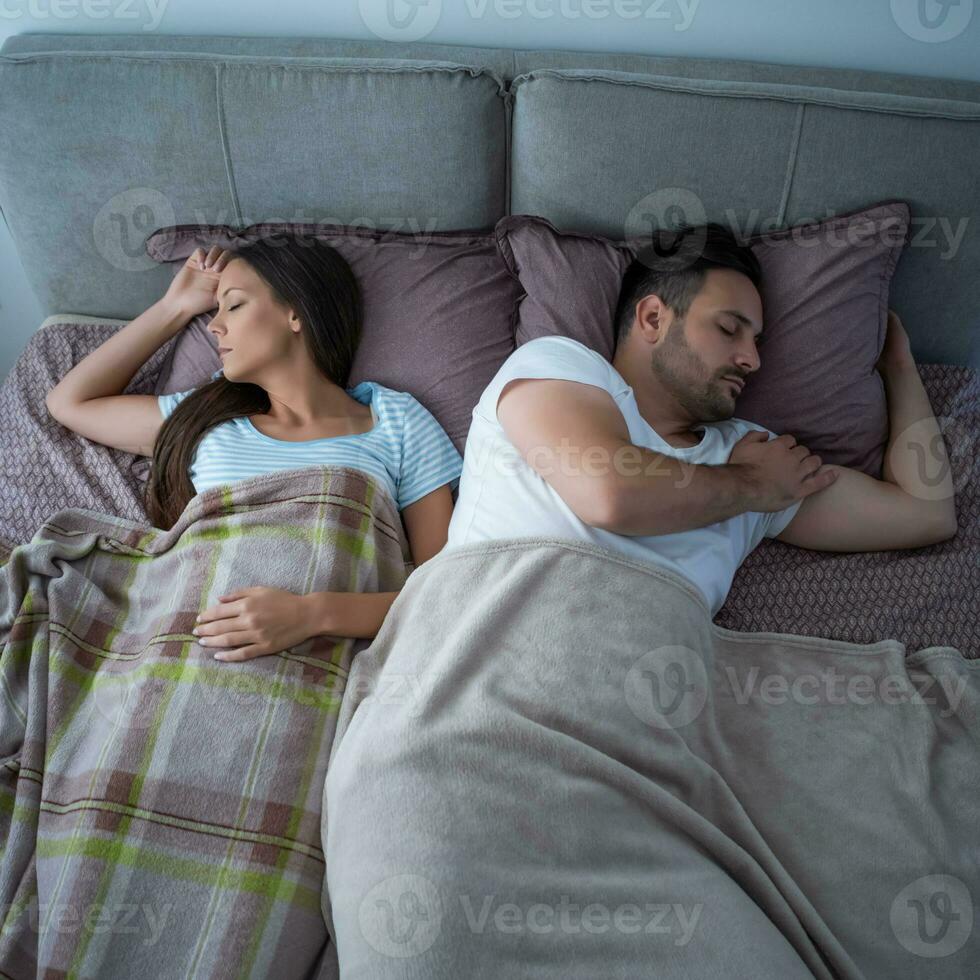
x=439, y=310
x=825, y=303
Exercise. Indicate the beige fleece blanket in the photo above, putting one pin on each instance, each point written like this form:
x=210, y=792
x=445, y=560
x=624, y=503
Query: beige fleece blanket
x=551, y=763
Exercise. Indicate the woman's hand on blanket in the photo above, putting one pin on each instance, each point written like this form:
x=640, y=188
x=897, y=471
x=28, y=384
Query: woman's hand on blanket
x=256, y=621
x=897, y=350
x=193, y=290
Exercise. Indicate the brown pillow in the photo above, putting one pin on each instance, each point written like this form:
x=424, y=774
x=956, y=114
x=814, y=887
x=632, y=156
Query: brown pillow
x=825, y=301
x=438, y=312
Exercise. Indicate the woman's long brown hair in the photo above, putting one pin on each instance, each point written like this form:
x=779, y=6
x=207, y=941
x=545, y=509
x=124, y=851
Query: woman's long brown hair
x=304, y=273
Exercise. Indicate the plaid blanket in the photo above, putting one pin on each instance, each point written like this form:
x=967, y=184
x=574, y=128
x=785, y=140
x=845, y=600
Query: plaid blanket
x=159, y=810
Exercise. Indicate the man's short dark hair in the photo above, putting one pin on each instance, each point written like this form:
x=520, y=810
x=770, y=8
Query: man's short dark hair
x=673, y=265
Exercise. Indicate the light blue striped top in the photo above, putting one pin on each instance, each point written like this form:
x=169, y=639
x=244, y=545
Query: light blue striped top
x=407, y=450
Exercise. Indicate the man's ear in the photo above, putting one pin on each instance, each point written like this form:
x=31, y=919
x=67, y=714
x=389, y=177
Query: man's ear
x=652, y=318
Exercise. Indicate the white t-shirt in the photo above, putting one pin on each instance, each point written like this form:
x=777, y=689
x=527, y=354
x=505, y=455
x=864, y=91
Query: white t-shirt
x=502, y=496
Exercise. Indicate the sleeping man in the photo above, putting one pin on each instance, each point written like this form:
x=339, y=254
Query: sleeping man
x=644, y=455
x=559, y=737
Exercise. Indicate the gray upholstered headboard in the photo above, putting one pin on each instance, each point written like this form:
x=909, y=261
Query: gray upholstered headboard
x=107, y=137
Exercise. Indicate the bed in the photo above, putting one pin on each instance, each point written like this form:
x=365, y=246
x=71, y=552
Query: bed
x=110, y=138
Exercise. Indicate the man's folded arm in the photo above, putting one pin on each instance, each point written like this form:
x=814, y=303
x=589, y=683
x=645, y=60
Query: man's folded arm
x=859, y=513
x=575, y=437
x=913, y=505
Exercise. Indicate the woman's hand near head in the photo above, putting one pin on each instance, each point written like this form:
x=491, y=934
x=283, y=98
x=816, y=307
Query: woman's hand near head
x=194, y=288
x=89, y=399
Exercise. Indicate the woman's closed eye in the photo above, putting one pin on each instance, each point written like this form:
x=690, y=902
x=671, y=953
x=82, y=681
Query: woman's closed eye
x=235, y=307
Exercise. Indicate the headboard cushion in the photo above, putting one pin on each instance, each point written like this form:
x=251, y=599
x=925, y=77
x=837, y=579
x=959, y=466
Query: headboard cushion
x=122, y=143
x=595, y=134
x=760, y=156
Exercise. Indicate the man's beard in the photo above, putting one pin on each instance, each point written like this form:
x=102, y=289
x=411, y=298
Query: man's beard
x=703, y=396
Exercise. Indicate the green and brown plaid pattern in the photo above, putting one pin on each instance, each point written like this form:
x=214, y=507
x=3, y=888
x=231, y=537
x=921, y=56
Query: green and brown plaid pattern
x=160, y=810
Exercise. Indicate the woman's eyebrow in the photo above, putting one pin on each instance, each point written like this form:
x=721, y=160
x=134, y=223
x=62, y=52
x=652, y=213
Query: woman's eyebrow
x=230, y=288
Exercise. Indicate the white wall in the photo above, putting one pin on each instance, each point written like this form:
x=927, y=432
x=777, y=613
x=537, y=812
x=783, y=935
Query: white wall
x=883, y=35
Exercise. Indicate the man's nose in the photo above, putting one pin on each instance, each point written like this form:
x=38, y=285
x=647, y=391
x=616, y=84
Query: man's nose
x=748, y=359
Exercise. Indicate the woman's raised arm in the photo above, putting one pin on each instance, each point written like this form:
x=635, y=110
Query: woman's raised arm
x=88, y=398
x=109, y=368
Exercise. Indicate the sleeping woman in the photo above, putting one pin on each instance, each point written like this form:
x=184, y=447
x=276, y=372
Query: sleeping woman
x=288, y=323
